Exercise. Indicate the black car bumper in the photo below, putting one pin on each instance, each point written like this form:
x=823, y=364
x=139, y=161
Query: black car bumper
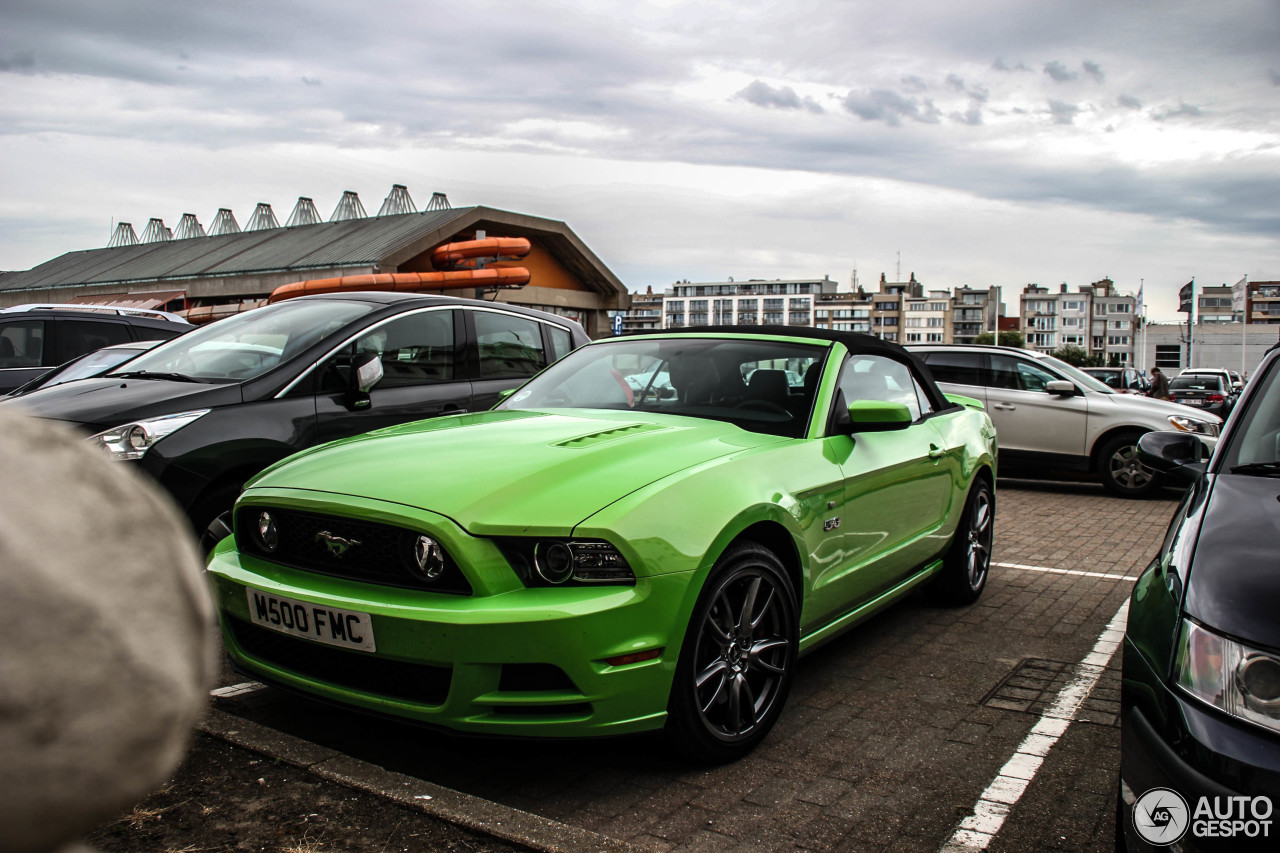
x=1174, y=742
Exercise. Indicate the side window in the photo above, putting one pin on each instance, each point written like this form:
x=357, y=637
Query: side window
x=77, y=337
x=561, y=342
x=960, y=368
x=21, y=343
x=510, y=346
x=417, y=349
x=1018, y=374
x=874, y=377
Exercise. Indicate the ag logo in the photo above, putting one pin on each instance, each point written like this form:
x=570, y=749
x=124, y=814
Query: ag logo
x=1161, y=816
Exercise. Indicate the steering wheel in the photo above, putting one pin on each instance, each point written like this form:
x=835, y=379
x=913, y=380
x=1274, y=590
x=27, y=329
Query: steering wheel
x=763, y=406
x=626, y=389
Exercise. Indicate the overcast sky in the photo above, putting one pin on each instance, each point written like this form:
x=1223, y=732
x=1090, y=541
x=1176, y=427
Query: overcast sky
x=978, y=142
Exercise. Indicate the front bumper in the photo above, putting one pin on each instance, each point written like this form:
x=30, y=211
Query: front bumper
x=1174, y=742
x=522, y=661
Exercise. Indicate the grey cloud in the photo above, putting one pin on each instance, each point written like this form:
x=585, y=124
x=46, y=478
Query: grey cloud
x=1129, y=102
x=890, y=107
x=1094, y=70
x=978, y=93
x=1063, y=113
x=971, y=116
x=22, y=61
x=1059, y=72
x=763, y=95
x=915, y=84
x=1183, y=109
x=1001, y=65
x=312, y=81
x=1275, y=77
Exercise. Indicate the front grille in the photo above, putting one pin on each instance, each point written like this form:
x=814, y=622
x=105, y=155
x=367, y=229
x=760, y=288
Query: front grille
x=374, y=553
x=414, y=682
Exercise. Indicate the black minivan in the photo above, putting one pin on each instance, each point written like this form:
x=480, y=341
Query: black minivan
x=205, y=412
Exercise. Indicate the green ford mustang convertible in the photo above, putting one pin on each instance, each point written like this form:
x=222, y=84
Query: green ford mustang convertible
x=646, y=535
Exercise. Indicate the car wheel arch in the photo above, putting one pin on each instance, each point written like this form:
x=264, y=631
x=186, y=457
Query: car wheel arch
x=1095, y=452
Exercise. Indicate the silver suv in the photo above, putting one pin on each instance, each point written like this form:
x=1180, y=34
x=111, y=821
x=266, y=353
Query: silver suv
x=1052, y=418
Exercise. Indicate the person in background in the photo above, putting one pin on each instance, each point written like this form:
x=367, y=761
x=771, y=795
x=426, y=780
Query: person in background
x=1159, y=385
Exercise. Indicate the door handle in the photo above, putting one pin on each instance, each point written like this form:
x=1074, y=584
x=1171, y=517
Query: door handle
x=1004, y=407
x=936, y=452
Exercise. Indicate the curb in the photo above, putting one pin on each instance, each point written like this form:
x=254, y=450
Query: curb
x=464, y=810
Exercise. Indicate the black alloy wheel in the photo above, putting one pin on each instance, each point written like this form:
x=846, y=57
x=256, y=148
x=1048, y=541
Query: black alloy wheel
x=967, y=562
x=738, y=659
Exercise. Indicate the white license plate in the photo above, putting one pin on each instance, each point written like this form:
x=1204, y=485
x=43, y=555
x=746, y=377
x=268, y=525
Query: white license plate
x=1192, y=401
x=349, y=629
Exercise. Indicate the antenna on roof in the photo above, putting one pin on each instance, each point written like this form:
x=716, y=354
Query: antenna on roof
x=156, y=232
x=439, y=201
x=224, y=223
x=189, y=227
x=263, y=218
x=304, y=213
x=123, y=236
x=349, y=207
x=397, y=201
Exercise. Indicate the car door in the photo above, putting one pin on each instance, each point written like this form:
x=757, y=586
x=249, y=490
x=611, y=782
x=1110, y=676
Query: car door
x=423, y=355
x=75, y=337
x=958, y=372
x=26, y=351
x=898, y=488
x=509, y=349
x=1030, y=419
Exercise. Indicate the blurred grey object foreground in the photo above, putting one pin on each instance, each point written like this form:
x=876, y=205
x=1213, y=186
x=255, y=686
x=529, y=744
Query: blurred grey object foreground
x=107, y=651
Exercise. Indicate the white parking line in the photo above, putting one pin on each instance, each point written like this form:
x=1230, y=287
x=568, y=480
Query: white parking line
x=1076, y=572
x=236, y=689
x=979, y=829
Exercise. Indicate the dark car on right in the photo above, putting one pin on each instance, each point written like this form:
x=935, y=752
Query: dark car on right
x=1200, y=695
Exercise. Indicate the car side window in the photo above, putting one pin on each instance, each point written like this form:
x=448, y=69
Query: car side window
x=77, y=337
x=510, y=346
x=22, y=343
x=960, y=368
x=561, y=342
x=874, y=377
x=1018, y=374
x=416, y=349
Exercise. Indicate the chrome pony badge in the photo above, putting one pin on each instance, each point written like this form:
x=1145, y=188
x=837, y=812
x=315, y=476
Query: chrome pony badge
x=336, y=545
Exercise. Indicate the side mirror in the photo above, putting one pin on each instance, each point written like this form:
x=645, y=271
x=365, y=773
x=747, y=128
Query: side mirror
x=1060, y=388
x=505, y=393
x=878, y=416
x=1176, y=453
x=366, y=372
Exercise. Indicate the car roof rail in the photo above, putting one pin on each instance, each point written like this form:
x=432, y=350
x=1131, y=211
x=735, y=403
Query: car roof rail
x=96, y=309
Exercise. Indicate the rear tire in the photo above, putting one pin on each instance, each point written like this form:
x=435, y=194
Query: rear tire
x=967, y=562
x=1121, y=472
x=738, y=658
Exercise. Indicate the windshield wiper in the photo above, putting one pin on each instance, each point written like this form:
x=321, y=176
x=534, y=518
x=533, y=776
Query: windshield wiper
x=147, y=374
x=1258, y=469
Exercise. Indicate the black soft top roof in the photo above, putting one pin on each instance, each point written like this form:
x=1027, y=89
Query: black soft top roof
x=854, y=341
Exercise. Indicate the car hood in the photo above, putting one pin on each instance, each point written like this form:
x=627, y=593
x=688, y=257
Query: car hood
x=512, y=472
x=1234, y=582
x=1156, y=409
x=103, y=402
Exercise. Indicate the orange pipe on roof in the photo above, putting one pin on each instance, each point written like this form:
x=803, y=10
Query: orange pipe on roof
x=408, y=282
x=498, y=248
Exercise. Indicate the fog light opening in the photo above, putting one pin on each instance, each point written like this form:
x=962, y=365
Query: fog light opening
x=634, y=657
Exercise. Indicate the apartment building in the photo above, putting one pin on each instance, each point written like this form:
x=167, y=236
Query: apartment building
x=926, y=319
x=974, y=312
x=747, y=303
x=645, y=314
x=1095, y=318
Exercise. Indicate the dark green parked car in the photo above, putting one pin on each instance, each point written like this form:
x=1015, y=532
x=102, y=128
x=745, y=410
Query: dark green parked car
x=598, y=555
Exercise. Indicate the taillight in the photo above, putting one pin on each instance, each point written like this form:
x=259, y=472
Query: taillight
x=1216, y=398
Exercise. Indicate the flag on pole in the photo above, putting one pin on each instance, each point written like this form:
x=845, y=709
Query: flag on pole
x=1238, y=292
x=1185, y=297
x=1141, y=310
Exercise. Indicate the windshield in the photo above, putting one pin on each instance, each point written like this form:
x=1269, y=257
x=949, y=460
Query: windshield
x=1196, y=382
x=247, y=345
x=1255, y=440
x=761, y=386
x=99, y=362
x=1077, y=376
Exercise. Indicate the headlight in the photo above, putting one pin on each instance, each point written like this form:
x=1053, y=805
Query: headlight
x=1186, y=424
x=561, y=562
x=132, y=440
x=1230, y=676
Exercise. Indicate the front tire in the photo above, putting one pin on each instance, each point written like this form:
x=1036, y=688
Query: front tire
x=967, y=562
x=738, y=659
x=1122, y=473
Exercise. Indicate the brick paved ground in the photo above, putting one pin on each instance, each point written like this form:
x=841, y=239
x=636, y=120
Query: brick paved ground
x=891, y=733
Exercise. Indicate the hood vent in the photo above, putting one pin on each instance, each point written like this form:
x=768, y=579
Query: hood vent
x=608, y=435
